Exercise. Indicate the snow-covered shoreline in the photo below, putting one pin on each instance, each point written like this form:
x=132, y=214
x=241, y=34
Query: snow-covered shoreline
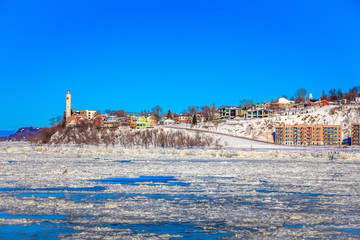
x=256, y=152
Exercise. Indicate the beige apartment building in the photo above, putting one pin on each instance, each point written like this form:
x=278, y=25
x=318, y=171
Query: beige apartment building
x=308, y=134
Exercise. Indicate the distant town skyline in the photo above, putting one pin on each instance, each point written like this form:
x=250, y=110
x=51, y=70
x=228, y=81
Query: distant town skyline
x=134, y=55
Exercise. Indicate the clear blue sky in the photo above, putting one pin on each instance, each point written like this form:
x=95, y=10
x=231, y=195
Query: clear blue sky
x=136, y=54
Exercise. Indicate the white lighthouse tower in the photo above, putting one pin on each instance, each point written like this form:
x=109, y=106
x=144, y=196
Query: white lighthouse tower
x=68, y=105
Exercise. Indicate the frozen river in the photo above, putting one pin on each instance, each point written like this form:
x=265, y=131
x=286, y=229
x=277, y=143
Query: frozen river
x=76, y=194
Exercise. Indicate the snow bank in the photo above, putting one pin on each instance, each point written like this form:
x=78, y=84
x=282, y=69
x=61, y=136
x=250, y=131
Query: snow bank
x=164, y=153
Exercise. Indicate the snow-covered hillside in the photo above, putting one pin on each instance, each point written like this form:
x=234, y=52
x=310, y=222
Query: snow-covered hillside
x=263, y=128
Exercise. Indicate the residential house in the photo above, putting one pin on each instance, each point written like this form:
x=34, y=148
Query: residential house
x=357, y=100
x=337, y=102
x=79, y=117
x=185, y=118
x=98, y=121
x=317, y=103
x=281, y=103
x=110, y=121
x=125, y=121
x=75, y=120
x=152, y=120
x=298, y=105
x=169, y=122
x=266, y=105
x=141, y=123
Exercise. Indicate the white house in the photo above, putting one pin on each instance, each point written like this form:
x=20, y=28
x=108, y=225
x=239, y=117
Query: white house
x=169, y=122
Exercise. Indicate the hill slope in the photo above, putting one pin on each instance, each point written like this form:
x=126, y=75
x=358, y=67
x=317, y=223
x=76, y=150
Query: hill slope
x=263, y=128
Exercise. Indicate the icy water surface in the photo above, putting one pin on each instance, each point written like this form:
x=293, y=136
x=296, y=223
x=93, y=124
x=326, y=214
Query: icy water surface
x=87, y=196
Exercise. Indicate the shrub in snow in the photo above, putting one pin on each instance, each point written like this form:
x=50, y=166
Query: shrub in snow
x=90, y=135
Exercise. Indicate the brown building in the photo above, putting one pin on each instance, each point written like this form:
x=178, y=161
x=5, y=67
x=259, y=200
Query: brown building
x=98, y=121
x=184, y=118
x=308, y=134
x=355, y=137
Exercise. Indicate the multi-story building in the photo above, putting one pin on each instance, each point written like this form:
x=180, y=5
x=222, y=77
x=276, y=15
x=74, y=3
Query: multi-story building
x=355, y=136
x=230, y=112
x=257, y=113
x=91, y=114
x=139, y=123
x=308, y=134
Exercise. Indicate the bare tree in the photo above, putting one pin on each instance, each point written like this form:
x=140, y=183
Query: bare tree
x=323, y=95
x=119, y=113
x=143, y=113
x=353, y=93
x=300, y=95
x=332, y=95
x=192, y=110
x=56, y=121
x=340, y=93
x=206, y=112
x=332, y=91
x=157, y=111
x=246, y=103
x=350, y=96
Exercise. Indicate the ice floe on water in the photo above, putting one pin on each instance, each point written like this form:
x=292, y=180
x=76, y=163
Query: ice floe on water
x=99, y=193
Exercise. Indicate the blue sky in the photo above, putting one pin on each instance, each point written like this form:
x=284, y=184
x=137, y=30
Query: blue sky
x=136, y=54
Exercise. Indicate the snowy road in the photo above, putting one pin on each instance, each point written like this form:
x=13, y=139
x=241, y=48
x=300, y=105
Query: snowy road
x=230, y=141
x=245, y=140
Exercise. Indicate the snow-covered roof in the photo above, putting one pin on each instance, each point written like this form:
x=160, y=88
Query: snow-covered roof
x=259, y=109
x=282, y=101
x=169, y=120
x=229, y=108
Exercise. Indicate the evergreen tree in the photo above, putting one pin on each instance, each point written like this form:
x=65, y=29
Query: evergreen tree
x=213, y=111
x=169, y=115
x=194, y=120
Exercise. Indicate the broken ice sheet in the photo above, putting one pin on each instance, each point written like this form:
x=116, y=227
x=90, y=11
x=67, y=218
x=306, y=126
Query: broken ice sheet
x=193, y=194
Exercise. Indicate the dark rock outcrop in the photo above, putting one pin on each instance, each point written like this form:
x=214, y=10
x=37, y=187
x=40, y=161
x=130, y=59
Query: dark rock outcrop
x=22, y=134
